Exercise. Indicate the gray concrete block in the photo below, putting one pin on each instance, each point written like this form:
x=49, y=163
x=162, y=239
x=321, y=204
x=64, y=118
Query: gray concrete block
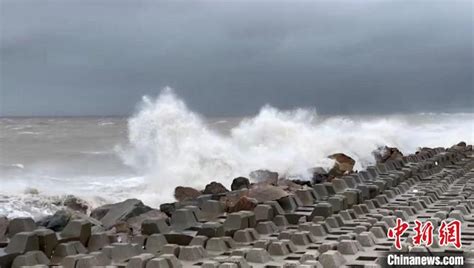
x=245, y=236
x=98, y=241
x=236, y=221
x=192, y=253
x=211, y=229
x=183, y=219
x=332, y=259
x=158, y=263
x=47, y=241
x=30, y=258
x=278, y=248
x=155, y=226
x=267, y=227
x=217, y=244
x=121, y=252
x=19, y=225
x=77, y=229
x=314, y=228
x=258, y=255
x=281, y=221
x=69, y=248
x=23, y=242
x=322, y=209
x=366, y=239
x=263, y=213
x=155, y=243
x=140, y=261
x=349, y=247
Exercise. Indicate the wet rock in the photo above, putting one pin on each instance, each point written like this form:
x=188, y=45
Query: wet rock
x=185, y=193
x=76, y=204
x=109, y=215
x=302, y=182
x=384, y=154
x=244, y=203
x=240, y=183
x=343, y=165
x=56, y=222
x=215, y=188
x=267, y=193
x=319, y=175
x=168, y=208
x=264, y=176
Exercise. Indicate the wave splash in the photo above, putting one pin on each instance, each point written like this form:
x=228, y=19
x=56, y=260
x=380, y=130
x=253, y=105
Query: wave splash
x=174, y=146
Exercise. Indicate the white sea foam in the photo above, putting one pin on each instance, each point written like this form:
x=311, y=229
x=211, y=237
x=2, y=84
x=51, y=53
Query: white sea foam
x=169, y=145
x=174, y=146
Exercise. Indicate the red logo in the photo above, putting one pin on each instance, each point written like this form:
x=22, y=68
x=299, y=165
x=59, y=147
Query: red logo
x=448, y=232
x=397, y=231
x=423, y=233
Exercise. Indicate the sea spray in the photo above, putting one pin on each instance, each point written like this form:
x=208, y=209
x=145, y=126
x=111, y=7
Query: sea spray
x=171, y=145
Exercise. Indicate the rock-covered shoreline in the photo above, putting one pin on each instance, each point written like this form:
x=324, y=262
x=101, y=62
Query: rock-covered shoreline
x=339, y=217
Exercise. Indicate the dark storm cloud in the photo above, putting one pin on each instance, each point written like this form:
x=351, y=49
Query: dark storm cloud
x=231, y=57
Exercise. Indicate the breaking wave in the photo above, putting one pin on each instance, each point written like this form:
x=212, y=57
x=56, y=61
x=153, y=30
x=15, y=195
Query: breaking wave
x=174, y=146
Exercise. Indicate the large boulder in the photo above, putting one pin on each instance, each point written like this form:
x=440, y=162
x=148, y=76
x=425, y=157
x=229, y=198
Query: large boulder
x=244, y=203
x=57, y=221
x=264, y=176
x=343, y=164
x=385, y=153
x=215, y=188
x=185, y=193
x=264, y=193
x=168, y=208
x=76, y=204
x=240, y=183
x=109, y=215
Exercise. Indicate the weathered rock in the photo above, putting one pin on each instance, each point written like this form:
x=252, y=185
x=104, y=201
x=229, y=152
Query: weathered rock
x=302, y=182
x=214, y=188
x=265, y=193
x=185, y=193
x=244, y=203
x=264, y=176
x=168, y=208
x=240, y=183
x=384, y=154
x=56, y=222
x=76, y=204
x=343, y=165
x=119, y=212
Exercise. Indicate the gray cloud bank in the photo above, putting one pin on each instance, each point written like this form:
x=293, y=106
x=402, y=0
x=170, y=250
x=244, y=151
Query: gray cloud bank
x=230, y=57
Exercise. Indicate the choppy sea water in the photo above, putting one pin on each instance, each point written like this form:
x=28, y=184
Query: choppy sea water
x=164, y=145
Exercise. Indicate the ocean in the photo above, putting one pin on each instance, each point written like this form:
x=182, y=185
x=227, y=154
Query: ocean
x=165, y=144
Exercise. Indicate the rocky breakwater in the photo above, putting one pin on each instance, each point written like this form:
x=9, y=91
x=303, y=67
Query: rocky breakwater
x=339, y=218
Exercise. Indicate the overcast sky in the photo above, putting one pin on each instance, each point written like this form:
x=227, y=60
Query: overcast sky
x=84, y=57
